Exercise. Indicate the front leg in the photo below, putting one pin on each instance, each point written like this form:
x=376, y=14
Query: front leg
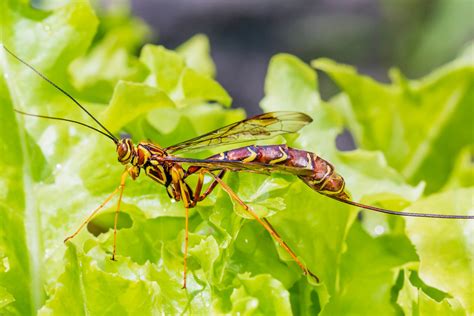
x=128, y=171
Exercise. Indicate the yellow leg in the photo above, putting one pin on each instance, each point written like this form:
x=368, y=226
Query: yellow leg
x=305, y=270
x=211, y=186
x=186, y=230
x=186, y=194
x=197, y=196
x=91, y=216
x=120, y=188
x=266, y=225
x=88, y=219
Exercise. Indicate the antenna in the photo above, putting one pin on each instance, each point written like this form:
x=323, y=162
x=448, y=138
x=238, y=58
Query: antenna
x=65, y=93
x=67, y=120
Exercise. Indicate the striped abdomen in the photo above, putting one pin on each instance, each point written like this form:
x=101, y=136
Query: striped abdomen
x=323, y=178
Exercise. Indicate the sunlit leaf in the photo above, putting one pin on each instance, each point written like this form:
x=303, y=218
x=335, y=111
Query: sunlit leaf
x=196, y=53
x=446, y=248
x=54, y=174
x=419, y=125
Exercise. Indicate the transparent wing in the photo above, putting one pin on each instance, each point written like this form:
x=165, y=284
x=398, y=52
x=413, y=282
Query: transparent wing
x=263, y=126
x=256, y=167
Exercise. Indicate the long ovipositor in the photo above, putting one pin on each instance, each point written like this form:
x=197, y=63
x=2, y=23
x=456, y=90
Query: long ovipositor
x=324, y=179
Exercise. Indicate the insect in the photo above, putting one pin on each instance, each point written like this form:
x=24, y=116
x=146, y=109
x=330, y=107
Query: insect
x=166, y=167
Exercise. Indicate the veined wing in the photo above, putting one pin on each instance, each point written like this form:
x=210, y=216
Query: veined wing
x=256, y=167
x=263, y=126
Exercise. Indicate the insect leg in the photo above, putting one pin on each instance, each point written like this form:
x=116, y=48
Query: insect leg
x=306, y=270
x=266, y=225
x=186, y=230
x=186, y=196
x=211, y=187
x=191, y=203
x=117, y=210
x=89, y=218
x=197, y=191
x=177, y=176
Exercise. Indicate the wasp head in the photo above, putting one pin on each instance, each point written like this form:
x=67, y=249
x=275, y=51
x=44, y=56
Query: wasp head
x=125, y=150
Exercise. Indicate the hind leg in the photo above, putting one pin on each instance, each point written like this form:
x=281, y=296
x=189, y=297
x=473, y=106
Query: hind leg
x=266, y=224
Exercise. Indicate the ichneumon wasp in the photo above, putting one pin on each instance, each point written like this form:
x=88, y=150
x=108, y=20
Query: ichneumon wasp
x=165, y=167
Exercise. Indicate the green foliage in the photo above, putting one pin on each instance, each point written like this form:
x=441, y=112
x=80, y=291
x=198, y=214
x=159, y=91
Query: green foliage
x=410, y=134
x=412, y=122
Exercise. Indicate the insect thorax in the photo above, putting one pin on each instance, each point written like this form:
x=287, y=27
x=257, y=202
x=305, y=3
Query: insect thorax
x=144, y=155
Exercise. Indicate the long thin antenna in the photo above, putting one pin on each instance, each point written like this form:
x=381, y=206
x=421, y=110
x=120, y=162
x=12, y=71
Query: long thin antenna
x=66, y=120
x=411, y=214
x=63, y=91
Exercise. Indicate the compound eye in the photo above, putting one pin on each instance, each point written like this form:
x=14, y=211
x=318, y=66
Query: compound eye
x=123, y=152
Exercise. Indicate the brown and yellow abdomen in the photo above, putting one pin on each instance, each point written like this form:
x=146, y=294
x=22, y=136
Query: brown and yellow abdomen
x=323, y=179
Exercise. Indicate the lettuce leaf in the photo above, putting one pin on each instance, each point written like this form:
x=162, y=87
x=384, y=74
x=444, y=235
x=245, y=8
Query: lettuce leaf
x=252, y=297
x=416, y=123
x=413, y=301
x=449, y=244
x=17, y=291
x=54, y=174
x=184, y=84
x=196, y=53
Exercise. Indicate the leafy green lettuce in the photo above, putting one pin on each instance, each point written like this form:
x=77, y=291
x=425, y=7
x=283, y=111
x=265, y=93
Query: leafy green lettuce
x=54, y=174
x=420, y=125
